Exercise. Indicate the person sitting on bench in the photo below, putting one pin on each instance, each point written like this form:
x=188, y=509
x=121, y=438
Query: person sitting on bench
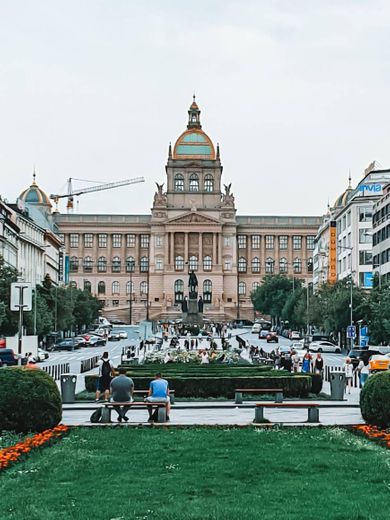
x=122, y=388
x=158, y=392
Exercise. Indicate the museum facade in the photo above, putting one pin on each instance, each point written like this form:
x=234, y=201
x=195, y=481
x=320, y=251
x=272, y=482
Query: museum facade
x=138, y=265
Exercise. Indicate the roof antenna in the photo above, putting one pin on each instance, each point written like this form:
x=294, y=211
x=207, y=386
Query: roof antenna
x=349, y=180
x=34, y=175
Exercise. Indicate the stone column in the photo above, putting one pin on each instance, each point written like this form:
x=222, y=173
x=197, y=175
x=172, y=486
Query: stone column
x=172, y=241
x=219, y=248
x=215, y=260
x=200, y=250
x=186, y=247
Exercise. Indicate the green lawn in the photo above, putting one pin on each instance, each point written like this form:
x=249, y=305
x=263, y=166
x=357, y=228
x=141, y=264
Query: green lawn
x=125, y=474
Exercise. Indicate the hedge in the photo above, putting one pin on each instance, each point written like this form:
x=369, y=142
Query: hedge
x=293, y=386
x=29, y=400
x=375, y=400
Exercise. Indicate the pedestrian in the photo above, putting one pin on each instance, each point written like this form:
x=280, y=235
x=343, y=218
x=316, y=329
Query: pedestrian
x=122, y=388
x=306, y=363
x=348, y=370
x=319, y=364
x=158, y=392
x=363, y=370
x=204, y=358
x=295, y=361
x=106, y=371
x=32, y=364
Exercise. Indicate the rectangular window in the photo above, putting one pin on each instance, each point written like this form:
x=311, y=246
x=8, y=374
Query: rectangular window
x=241, y=239
x=145, y=241
x=297, y=242
x=88, y=240
x=364, y=236
x=158, y=241
x=130, y=240
x=116, y=240
x=61, y=237
x=283, y=242
x=74, y=240
x=269, y=241
x=102, y=240
x=344, y=222
x=227, y=265
x=348, y=218
x=365, y=214
x=227, y=241
x=159, y=264
x=365, y=257
x=310, y=242
x=255, y=241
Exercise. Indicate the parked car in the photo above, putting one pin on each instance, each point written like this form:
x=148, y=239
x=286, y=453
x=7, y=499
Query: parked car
x=284, y=350
x=80, y=341
x=2, y=343
x=297, y=345
x=272, y=337
x=324, y=346
x=42, y=355
x=122, y=334
x=263, y=334
x=295, y=335
x=8, y=357
x=114, y=336
x=96, y=341
x=256, y=328
x=66, y=344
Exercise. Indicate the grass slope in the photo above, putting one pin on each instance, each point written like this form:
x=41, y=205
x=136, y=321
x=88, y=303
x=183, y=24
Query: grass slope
x=120, y=474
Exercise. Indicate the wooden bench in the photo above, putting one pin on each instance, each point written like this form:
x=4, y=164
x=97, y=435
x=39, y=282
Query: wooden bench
x=109, y=406
x=277, y=391
x=313, y=410
x=145, y=394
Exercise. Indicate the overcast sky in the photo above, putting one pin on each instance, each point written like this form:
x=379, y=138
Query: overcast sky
x=295, y=92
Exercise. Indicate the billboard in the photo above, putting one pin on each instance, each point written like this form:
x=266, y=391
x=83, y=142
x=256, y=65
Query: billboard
x=332, y=267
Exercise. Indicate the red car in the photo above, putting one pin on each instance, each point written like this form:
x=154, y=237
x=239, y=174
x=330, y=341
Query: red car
x=272, y=337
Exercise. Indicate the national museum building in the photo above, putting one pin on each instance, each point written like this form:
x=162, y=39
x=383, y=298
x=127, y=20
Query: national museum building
x=138, y=265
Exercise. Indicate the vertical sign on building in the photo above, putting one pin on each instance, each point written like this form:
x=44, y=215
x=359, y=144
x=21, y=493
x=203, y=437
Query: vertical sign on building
x=66, y=269
x=61, y=267
x=332, y=268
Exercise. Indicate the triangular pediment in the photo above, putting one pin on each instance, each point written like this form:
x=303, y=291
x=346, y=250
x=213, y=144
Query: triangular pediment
x=193, y=218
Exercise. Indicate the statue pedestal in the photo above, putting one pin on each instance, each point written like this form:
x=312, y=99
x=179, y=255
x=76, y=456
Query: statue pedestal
x=193, y=316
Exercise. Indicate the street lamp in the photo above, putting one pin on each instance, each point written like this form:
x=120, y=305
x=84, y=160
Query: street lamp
x=130, y=267
x=351, y=293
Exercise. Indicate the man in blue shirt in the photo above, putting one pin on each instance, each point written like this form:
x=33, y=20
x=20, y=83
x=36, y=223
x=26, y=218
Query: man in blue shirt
x=158, y=392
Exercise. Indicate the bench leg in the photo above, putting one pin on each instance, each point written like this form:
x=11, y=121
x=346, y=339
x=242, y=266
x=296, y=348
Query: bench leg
x=106, y=415
x=278, y=397
x=238, y=397
x=172, y=398
x=313, y=415
x=259, y=414
x=162, y=414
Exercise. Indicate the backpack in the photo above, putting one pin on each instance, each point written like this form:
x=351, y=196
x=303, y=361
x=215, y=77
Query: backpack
x=106, y=368
x=96, y=416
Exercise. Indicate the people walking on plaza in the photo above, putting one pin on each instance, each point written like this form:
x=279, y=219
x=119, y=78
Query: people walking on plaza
x=348, y=370
x=158, y=392
x=364, y=371
x=319, y=364
x=106, y=371
x=306, y=363
x=295, y=361
x=122, y=388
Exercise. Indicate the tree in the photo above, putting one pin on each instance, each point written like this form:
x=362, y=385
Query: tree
x=294, y=310
x=8, y=319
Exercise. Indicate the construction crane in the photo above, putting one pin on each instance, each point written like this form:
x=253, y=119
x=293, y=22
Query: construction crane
x=91, y=189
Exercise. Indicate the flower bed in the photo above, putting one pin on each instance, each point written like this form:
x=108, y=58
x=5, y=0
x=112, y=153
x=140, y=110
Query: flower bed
x=13, y=454
x=374, y=433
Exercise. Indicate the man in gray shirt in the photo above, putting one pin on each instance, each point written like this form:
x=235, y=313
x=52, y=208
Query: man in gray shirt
x=122, y=391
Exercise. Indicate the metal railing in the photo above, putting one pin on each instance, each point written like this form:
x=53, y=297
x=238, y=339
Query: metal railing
x=55, y=371
x=339, y=368
x=89, y=364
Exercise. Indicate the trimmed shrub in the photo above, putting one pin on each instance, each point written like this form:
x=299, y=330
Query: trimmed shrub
x=29, y=400
x=214, y=386
x=375, y=400
x=316, y=383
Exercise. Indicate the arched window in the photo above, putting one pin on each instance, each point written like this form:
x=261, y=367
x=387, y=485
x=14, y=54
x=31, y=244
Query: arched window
x=256, y=265
x=242, y=265
x=207, y=291
x=116, y=264
x=255, y=286
x=194, y=182
x=269, y=265
x=130, y=264
x=207, y=263
x=129, y=287
x=87, y=264
x=87, y=286
x=102, y=264
x=101, y=288
x=193, y=263
x=179, y=291
x=179, y=182
x=115, y=287
x=209, y=183
x=242, y=288
x=144, y=264
x=179, y=263
x=297, y=264
x=143, y=288
x=74, y=264
x=283, y=265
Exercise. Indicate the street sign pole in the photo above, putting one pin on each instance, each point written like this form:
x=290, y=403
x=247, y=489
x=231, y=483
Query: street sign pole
x=20, y=301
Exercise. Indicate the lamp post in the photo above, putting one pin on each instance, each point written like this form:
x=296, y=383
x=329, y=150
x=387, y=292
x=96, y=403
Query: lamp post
x=130, y=266
x=351, y=293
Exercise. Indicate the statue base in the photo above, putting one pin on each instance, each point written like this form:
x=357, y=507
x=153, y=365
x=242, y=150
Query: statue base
x=193, y=316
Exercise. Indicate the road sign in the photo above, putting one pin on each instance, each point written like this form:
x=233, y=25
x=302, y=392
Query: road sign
x=21, y=296
x=364, y=331
x=351, y=331
x=363, y=341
